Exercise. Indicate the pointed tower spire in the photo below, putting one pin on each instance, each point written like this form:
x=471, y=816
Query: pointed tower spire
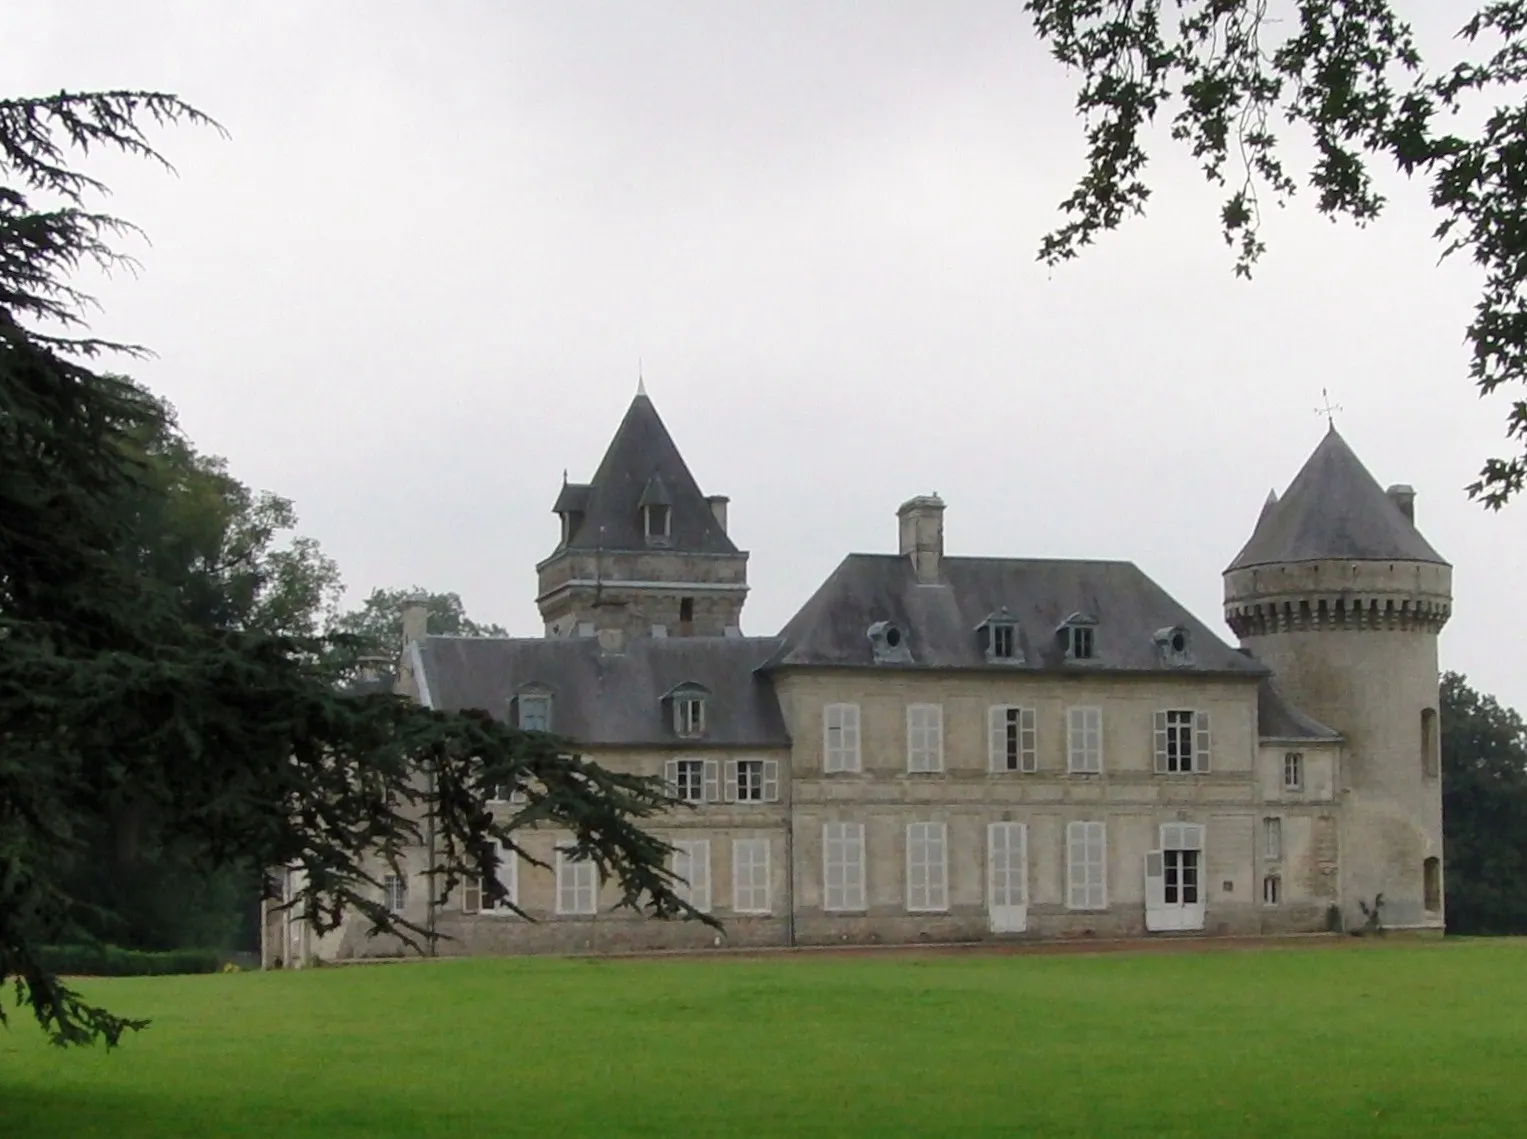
x=641, y=384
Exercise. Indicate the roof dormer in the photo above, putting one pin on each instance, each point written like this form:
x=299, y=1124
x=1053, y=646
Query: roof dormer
x=1174, y=647
x=687, y=707
x=1078, y=637
x=888, y=643
x=656, y=506
x=998, y=638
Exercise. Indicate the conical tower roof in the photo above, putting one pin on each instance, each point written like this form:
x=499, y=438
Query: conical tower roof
x=643, y=467
x=1334, y=509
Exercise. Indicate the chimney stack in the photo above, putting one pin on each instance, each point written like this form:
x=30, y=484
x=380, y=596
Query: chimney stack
x=922, y=535
x=718, y=508
x=415, y=617
x=1405, y=498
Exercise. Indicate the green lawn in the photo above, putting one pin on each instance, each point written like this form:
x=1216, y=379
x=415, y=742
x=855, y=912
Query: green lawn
x=1396, y=1039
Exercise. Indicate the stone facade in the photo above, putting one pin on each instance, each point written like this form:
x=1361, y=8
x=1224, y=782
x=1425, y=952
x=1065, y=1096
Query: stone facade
x=944, y=749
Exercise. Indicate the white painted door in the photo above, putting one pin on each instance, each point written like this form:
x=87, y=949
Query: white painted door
x=1007, y=877
x=1174, y=880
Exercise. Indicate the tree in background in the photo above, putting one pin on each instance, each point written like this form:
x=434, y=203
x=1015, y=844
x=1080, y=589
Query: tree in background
x=128, y=691
x=1484, y=811
x=379, y=620
x=1347, y=72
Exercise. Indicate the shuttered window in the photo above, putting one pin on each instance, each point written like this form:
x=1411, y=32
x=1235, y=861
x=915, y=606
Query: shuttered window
x=691, y=865
x=1012, y=739
x=927, y=867
x=843, y=866
x=925, y=737
x=1086, y=866
x=1084, y=741
x=840, y=738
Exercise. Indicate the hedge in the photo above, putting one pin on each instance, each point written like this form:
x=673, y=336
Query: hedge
x=109, y=961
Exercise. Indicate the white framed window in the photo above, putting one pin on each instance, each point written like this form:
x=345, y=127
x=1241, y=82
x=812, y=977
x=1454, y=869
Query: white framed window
x=1007, y=887
x=689, y=715
x=1013, y=739
x=752, y=781
x=577, y=883
x=1182, y=742
x=1081, y=642
x=1086, y=866
x=694, y=780
x=1272, y=839
x=1004, y=641
x=927, y=868
x=1272, y=890
x=1182, y=858
x=1084, y=741
x=475, y=899
x=1293, y=771
x=925, y=737
x=691, y=865
x=500, y=793
x=840, y=738
x=535, y=712
x=843, y=866
x=395, y=892
x=750, y=875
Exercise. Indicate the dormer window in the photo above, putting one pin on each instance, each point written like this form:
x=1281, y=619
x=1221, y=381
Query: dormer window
x=888, y=643
x=657, y=520
x=998, y=636
x=531, y=709
x=688, y=703
x=1078, y=636
x=1173, y=647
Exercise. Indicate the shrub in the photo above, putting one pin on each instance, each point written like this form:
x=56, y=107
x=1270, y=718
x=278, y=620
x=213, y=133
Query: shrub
x=109, y=961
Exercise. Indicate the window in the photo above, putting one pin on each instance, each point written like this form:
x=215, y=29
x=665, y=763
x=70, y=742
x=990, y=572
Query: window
x=535, y=712
x=476, y=900
x=694, y=780
x=1182, y=742
x=1272, y=890
x=691, y=865
x=689, y=715
x=750, y=875
x=1293, y=771
x=1012, y=739
x=927, y=868
x=657, y=520
x=843, y=866
x=577, y=883
x=840, y=738
x=1006, y=867
x=1430, y=759
x=1182, y=846
x=1004, y=641
x=1431, y=884
x=925, y=737
x=1272, y=839
x=1086, y=866
x=686, y=610
x=752, y=780
x=1080, y=646
x=1084, y=741
x=395, y=891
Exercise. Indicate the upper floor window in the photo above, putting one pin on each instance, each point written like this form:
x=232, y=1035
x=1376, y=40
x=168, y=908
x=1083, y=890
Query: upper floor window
x=752, y=781
x=925, y=737
x=1293, y=771
x=1078, y=634
x=657, y=519
x=1012, y=740
x=840, y=738
x=999, y=638
x=1084, y=741
x=1431, y=759
x=686, y=610
x=694, y=780
x=1182, y=742
x=533, y=711
x=688, y=702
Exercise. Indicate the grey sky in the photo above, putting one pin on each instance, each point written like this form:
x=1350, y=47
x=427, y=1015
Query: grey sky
x=415, y=284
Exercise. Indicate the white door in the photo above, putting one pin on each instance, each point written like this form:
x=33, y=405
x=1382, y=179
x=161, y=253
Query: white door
x=1174, y=880
x=1007, y=877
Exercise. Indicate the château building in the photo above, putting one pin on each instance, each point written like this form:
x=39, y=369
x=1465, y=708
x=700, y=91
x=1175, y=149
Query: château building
x=945, y=748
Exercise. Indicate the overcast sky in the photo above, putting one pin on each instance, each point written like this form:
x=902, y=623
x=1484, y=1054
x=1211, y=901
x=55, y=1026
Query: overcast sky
x=415, y=283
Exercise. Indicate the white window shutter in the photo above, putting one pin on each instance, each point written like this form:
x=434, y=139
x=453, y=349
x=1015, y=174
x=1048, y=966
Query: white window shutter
x=731, y=781
x=1202, y=742
x=832, y=738
x=699, y=869
x=771, y=780
x=671, y=775
x=1161, y=743
x=851, y=735
x=996, y=731
x=509, y=875
x=1074, y=740
x=936, y=730
x=712, y=781
x=1193, y=836
x=471, y=896
x=1028, y=743
x=1155, y=881
x=1076, y=865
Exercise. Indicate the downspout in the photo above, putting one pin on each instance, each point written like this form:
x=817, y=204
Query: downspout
x=790, y=851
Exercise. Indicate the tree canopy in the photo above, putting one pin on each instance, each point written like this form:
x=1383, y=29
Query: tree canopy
x=164, y=688
x=1349, y=75
x=379, y=621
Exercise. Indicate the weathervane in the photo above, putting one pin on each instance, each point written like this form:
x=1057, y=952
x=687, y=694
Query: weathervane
x=1327, y=408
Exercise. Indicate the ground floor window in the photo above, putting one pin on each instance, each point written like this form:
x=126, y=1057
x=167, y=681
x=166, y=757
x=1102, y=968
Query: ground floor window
x=691, y=865
x=395, y=889
x=750, y=875
x=1272, y=890
x=577, y=883
x=1431, y=881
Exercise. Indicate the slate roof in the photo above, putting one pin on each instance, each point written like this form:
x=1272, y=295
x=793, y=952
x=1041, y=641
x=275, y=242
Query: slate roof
x=614, y=699
x=1277, y=719
x=642, y=465
x=940, y=622
x=1334, y=509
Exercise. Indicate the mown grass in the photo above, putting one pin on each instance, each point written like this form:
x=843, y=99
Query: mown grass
x=1422, y=1040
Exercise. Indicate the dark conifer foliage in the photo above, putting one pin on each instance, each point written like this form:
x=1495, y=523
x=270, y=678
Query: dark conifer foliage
x=234, y=745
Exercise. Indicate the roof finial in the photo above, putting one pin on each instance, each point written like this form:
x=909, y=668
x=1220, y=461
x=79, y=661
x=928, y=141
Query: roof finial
x=1328, y=409
x=641, y=384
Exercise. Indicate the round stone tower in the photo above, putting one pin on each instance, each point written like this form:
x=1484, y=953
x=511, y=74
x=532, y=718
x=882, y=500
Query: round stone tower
x=1340, y=595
